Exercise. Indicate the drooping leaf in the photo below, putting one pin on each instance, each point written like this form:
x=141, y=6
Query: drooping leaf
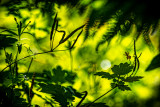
x=122, y=68
x=72, y=33
x=104, y=75
x=123, y=87
x=133, y=79
x=25, y=27
x=6, y=41
x=113, y=85
x=54, y=23
x=52, y=30
x=64, y=33
x=155, y=63
x=19, y=28
x=19, y=48
x=8, y=57
x=10, y=32
x=76, y=39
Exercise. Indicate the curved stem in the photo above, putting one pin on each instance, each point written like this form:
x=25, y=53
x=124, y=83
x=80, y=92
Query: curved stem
x=30, y=56
x=101, y=96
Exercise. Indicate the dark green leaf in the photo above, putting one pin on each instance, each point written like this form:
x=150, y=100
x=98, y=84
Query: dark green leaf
x=19, y=29
x=113, y=85
x=132, y=79
x=6, y=41
x=64, y=33
x=10, y=31
x=72, y=33
x=76, y=39
x=56, y=25
x=28, y=33
x=59, y=93
x=16, y=20
x=59, y=75
x=8, y=57
x=122, y=68
x=7, y=82
x=52, y=30
x=121, y=83
x=95, y=105
x=104, y=75
x=155, y=63
x=123, y=87
x=19, y=48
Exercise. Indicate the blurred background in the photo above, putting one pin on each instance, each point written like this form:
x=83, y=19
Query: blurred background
x=110, y=30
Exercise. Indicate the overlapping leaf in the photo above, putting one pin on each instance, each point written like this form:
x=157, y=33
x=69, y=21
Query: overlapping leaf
x=133, y=79
x=60, y=93
x=123, y=87
x=122, y=68
x=104, y=75
x=6, y=41
x=155, y=63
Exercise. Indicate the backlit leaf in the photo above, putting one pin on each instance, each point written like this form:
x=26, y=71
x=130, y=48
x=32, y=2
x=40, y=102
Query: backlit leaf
x=19, y=48
x=122, y=68
x=104, y=75
x=132, y=79
x=72, y=33
x=6, y=41
x=123, y=87
x=64, y=33
x=155, y=63
x=76, y=39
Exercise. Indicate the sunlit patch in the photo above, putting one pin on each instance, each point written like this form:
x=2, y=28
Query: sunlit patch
x=143, y=92
x=98, y=4
x=105, y=64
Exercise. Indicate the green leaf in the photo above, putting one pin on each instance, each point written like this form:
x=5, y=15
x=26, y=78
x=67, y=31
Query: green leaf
x=76, y=39
x=59, y=75
x=113, y=85
x=19, y=29
x=19, y=48
x=122, y=68
x=52, y=30
x=123, y=87
x=6, y=41
x=64, y=33
x=60, y=93
x=7, y=82
x=11, y=32
x=72, y=33
x=104, y=75
x=133, y=79
x=155, y=63
x=8, y=57
x=28, y=33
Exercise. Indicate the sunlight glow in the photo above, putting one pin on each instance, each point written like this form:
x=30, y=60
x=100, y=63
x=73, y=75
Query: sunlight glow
x=105, y=64
x=143, y=92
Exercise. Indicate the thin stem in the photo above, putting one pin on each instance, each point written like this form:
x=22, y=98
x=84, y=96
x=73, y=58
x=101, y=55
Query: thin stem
x=71, y=59
x=30, y=56
x=30, y=65
x=82, y=98
x=101, y=96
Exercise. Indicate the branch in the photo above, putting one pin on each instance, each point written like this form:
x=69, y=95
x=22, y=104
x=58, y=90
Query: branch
x=30, y=56
x=101, y=96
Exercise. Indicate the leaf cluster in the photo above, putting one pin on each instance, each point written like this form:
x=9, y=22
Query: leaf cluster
x=49, y=81
x=119, y=77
